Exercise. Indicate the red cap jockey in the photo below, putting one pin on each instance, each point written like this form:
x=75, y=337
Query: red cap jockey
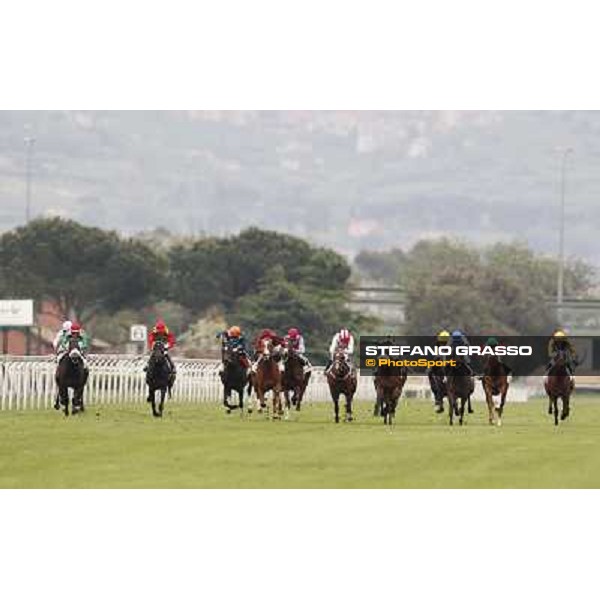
x=161, y=332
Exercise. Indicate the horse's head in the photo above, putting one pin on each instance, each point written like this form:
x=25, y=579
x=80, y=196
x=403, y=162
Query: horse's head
x=266, y=347
x=158, y=351
x=340, y=366
x=231, y=355
x=560, y=359
x=74, y=350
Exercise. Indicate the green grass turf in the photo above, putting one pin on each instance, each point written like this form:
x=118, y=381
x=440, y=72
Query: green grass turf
x=200, y=446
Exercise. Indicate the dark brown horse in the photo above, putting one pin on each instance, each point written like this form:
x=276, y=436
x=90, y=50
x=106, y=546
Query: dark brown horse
x=461, y=385
x=268, y=378
x=341, y=379
x=295, y=380
x=389, y=382
x=495, y=383
x=71, y=373
x=234, y=378
x=159, y=378
x=559, y=384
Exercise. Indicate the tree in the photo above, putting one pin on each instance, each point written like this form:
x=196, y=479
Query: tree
x=500, y=289
x=222, y=270
x=83, y=270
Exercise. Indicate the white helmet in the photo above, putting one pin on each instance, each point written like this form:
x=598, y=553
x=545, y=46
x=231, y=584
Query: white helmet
x=66, y=326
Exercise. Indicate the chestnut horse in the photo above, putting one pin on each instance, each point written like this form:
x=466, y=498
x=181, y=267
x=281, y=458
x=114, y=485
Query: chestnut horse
x=559, y=384
x=389, y=382
x=495, y=383
x=341, y=378
x=268, y=377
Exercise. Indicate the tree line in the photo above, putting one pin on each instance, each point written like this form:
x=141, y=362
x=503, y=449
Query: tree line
x=261, y=278
x=502, y=288
x=257, y=278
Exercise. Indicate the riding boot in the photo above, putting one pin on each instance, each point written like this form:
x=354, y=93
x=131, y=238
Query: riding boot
x=171, y=364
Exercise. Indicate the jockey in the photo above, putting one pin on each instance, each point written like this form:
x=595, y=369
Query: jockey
x=492, y=342
x=62, y=335
x=278, y=343
x=560, y=341
x=294, y=341
x=160, y=333
x=442, y=338
x=458, y=338
x=234, y=338
x=75, y=333
x=342, y=340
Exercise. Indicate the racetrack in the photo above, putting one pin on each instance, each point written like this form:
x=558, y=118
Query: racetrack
x=200, y=446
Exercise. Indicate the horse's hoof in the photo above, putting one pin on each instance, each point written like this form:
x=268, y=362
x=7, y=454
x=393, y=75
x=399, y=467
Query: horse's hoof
x=439, y=410
x=470, y=411
x=549, y=411
x=499, y=423
x=349, y=419
x=57, y=406
x=337, y=419
x=228, y=411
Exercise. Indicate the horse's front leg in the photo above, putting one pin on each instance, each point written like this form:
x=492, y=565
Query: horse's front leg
x=463, y=403
x=336, y=407
x=489, y=400
x=349, y=417
x=163, y=393
x=64, y=399
x=152, y=400
x=502, y=403
x=451, y=409
x=469, y=407
x=565, y=407
x=555, y=409
x=226, y=398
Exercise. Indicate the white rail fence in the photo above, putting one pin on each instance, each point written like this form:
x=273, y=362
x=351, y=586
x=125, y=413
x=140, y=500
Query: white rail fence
x=28, y=383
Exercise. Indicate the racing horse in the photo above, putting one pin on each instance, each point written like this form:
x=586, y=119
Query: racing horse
x=558, y=384
x=437, y=383
x=234, y=378
x=71, y=373
x=295, y=380
x=268, y=377
x=389, y=382
x=341, y=379
x=159, y=377
x=460, y=384
x=495, y=383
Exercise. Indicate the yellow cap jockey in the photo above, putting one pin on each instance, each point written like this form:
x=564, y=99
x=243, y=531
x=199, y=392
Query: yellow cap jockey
x=443, y=336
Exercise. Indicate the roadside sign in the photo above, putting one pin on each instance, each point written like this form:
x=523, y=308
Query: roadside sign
x=139, y=333
x=16, y=313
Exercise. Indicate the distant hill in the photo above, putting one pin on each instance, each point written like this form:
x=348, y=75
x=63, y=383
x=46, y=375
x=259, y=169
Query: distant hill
x=347, y=179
